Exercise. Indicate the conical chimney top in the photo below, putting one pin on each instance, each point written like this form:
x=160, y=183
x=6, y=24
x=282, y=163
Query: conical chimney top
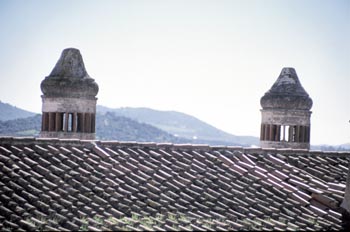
x=70, y=65
x=69, y=77
x=287, y=93
x=288, y=84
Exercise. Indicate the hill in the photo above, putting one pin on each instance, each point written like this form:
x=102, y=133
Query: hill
x=108, y=127
x=29, y=126
x=112, y=127
x=325, y=147
x=9, y=112
x=141, y=125
x=182, y=125
x=132, y=124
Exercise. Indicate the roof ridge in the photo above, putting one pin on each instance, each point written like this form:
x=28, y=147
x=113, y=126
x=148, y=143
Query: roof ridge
x=185, y=146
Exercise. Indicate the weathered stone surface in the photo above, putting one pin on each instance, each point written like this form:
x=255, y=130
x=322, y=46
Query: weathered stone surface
x=69, y=78
x=287, y=93
x=286, y=117
x=62, y=104
x=286, y=113
x=70, y=65
x=284, y=144
x=69, y=99
x=346, y=201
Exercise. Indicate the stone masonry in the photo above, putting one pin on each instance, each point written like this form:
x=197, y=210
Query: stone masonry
x=69, y=99
x=286, y=114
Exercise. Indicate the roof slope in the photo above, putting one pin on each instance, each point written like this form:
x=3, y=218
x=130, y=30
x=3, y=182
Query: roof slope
x=70, y=184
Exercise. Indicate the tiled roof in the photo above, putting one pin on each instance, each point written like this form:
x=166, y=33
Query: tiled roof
x=52, y=184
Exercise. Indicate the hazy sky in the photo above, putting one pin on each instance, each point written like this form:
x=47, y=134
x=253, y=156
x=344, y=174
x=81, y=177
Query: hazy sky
x=210, y=59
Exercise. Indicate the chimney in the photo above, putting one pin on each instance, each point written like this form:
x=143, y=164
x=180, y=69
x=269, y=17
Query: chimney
x=286, y=113
x=69, y=99
x=345, y=205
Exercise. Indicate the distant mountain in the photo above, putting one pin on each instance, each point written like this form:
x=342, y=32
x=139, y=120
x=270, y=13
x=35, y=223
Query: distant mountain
x=171, y=126
x=140, y=125
x=29, y=126
x=9, y=112
x=112, y=127
x=108, y=127
x=182, y=125
x=346, y=146
x=324, y=147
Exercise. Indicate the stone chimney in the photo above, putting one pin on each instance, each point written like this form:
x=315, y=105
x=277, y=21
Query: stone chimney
x=69, y=99
x=286, y=113
x=345, y=205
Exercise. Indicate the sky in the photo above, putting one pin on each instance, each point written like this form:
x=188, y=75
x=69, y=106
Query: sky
x=211, y=59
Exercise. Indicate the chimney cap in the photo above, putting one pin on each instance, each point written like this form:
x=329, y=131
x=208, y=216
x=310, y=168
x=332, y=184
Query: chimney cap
x=287, y=93
x=69, y=77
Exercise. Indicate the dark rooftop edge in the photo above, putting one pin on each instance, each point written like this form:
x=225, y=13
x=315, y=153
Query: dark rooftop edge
x=134, y=144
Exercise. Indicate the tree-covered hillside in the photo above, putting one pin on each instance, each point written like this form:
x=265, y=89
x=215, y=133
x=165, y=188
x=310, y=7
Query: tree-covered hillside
x=9, y=112
x=29, y=126
x=182, y=125
x=112, y=127
x=108, y=127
